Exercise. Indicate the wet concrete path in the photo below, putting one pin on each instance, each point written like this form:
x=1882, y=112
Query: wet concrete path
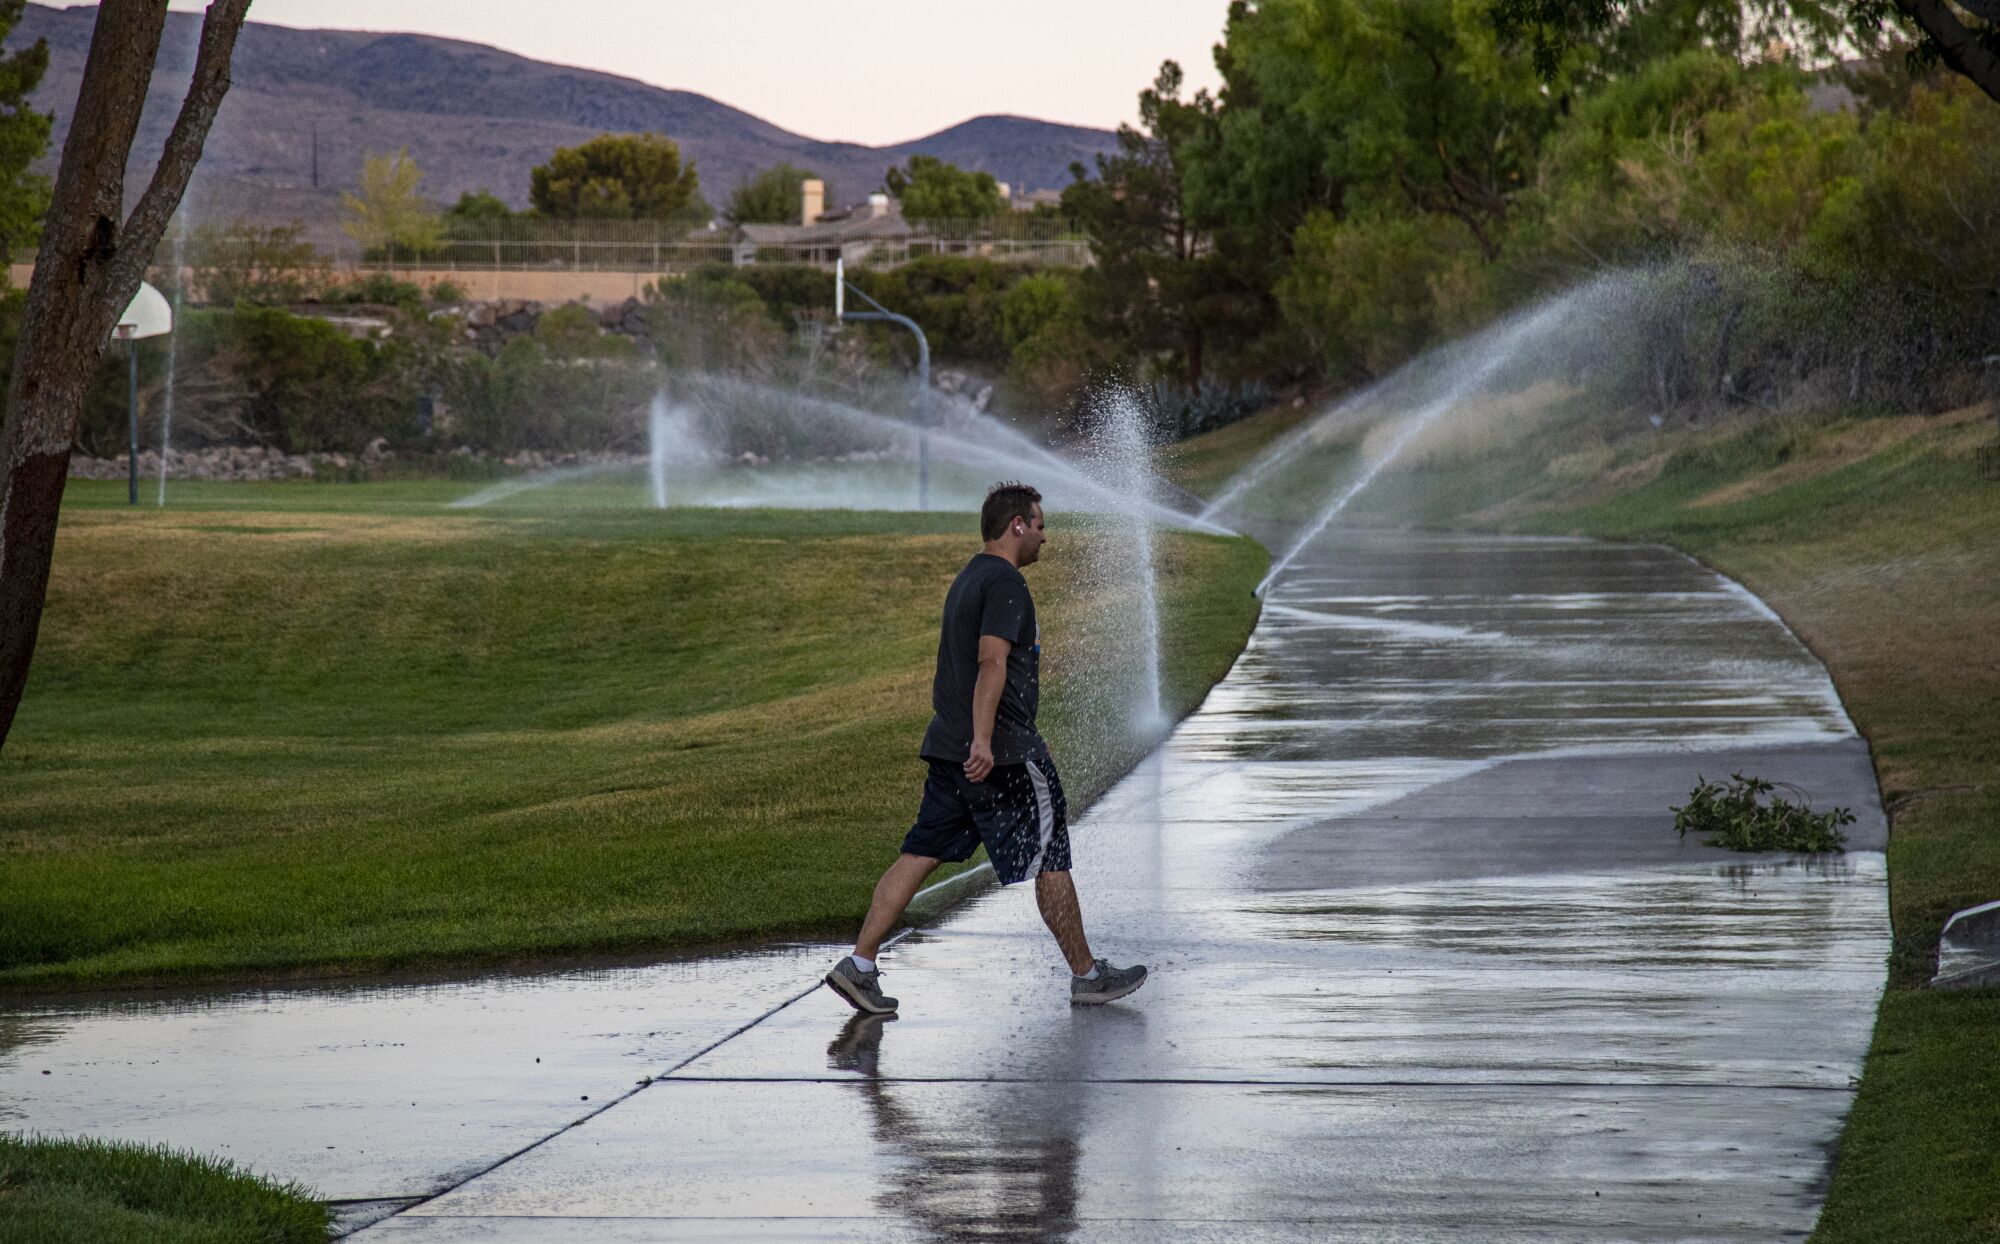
x=1429, y=963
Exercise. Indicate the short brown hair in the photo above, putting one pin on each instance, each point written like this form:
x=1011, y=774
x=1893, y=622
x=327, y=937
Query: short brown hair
x=1005, y=502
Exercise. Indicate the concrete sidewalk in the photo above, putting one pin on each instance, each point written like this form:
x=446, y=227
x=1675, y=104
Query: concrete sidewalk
x=1429, y=961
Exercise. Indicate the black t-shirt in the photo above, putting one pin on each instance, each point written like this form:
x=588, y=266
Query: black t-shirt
x=989, y=597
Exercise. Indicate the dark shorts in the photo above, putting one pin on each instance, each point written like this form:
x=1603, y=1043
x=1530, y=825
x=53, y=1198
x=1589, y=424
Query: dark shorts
x=1018, y=812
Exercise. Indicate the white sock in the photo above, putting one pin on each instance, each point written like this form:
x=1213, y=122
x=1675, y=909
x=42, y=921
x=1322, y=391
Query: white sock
x=866, y=965
x=1090, y=975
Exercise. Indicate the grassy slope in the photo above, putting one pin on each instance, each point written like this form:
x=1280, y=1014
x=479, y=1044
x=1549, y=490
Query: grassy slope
x=332, y=727
x=93, y=1192
x=1875, y=539
x=1202, y=464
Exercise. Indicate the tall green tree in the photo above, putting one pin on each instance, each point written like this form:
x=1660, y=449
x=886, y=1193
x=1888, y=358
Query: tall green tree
x=1147, y=289
x=1403, y=104
x=477, y=207
x=1272, y=161
x=1608, y=187
x=931, y=189
x=389, y=212
x=1364, y=164
x=619, y=177
x=1962, y=35
x=772, y=197
x=24, y=136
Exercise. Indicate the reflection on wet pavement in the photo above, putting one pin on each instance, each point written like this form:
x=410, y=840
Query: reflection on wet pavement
x=1429, y=962
x=375, y=1092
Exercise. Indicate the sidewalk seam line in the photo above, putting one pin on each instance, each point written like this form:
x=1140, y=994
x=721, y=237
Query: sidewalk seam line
x=1194, y=1082
x=642, y=1086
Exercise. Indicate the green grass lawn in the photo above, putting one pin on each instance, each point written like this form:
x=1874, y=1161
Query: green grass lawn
x=94, y=1192
x=1875, y=539
x=303, y=729
x=1203, y=464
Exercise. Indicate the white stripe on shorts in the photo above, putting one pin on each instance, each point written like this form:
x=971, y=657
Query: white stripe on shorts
x=1045, y=815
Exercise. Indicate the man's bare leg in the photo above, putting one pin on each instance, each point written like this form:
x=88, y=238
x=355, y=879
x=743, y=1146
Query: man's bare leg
x=892, y=894
x=1055, y=894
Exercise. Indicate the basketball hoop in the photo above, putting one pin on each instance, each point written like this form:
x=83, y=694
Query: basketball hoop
x=149, y=315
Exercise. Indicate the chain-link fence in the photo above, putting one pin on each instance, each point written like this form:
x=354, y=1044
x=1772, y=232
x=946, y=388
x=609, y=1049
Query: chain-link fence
x=649, y=247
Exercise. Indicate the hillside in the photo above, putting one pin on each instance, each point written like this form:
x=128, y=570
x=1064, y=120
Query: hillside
x=475, y=117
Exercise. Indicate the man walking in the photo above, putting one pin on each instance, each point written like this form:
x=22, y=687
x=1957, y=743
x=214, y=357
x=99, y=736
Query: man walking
x=991, y=778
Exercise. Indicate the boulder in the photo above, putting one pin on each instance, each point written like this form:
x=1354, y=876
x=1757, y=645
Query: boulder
x=516, y=316
x=632, y=319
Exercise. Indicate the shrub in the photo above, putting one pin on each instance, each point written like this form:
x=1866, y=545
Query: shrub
x=571, y=331
x=524, y=399
x=956, y=300
x=1180, y=412
x=1371, y=292
x=245, y=263
x=1034, y=303
x=310, y=386
x=259, y=374
x=710, y=321
x=377, y=289
x=784, y=289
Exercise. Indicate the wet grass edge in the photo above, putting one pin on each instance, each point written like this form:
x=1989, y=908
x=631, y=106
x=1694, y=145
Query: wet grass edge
x=84, y=1191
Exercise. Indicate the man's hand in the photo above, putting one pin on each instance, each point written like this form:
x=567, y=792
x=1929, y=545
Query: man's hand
x=980, y=763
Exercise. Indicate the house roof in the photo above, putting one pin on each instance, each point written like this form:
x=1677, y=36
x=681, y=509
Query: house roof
x=851, y=228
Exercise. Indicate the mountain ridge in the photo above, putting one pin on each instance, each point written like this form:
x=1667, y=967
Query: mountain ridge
x=476, y=117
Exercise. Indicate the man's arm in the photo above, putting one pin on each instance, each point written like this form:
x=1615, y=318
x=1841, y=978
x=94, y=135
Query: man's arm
x=993, y=652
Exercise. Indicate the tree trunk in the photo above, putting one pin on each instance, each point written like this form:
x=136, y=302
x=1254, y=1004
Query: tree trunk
x=1959, y=46
x=1723, y=389
x=86, y=271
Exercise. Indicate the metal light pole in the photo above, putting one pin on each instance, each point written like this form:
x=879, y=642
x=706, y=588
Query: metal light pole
x=132, y=418
x=882, y=314
x=147, y=315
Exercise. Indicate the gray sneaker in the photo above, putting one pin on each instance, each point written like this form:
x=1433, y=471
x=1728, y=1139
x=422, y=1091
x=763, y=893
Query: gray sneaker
x=862, y=990
x=1110, y=985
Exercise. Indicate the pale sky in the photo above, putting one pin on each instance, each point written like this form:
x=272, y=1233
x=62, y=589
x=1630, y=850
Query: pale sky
x=873, y=73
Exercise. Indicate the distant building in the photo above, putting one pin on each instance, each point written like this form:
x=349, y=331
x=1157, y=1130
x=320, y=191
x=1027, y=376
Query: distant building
x=1029, y=200
x=822, y=237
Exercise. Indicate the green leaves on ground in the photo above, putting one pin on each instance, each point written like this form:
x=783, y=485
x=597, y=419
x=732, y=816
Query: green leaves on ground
x=1747, y=816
